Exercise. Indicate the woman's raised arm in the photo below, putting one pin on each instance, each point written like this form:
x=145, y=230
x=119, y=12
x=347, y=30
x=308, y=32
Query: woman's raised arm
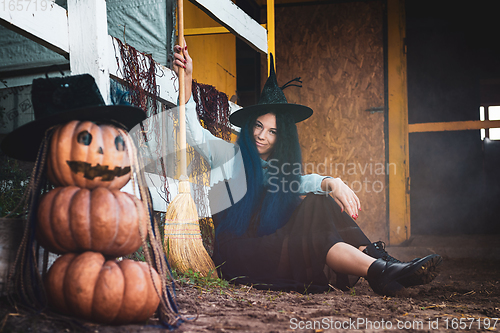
x=215, y=150
x=182, y=59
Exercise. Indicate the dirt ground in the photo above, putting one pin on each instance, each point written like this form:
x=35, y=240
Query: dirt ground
x=465, y=296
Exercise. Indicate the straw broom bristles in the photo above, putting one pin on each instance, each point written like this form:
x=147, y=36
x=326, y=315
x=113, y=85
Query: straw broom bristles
x=183, y=242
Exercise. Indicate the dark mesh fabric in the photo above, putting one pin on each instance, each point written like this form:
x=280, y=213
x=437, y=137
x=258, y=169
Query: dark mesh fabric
x=292, y=258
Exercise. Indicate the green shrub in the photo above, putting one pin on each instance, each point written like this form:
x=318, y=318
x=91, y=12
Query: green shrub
x=14, y=179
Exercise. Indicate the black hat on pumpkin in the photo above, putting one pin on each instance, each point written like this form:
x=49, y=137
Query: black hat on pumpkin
x=272, y=100
x=59, y=100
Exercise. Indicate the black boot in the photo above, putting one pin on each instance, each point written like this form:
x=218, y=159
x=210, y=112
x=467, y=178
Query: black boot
x=425, y=274
x=377, y=250
x=387, y=278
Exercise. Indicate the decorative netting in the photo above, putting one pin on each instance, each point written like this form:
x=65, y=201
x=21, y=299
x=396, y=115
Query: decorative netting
x=158, y=145
x=212, y=107
x=139, y=74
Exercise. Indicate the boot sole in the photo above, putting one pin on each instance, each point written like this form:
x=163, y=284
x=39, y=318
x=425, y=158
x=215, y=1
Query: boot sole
x=392, y=289
x=424, y=274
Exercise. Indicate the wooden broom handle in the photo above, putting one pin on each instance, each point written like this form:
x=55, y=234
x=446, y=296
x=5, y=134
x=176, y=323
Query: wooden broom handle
x=182, y=94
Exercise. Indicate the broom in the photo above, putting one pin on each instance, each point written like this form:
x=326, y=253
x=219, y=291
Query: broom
x=183, y=242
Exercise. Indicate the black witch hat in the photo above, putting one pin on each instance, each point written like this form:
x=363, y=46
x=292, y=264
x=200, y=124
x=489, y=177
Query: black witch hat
x=59, y=100
x=272, y=100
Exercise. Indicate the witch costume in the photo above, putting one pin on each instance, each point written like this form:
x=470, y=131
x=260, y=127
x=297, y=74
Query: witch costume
x=284, y=242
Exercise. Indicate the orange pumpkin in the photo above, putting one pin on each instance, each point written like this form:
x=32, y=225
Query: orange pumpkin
x=88, y=155
x=88, y=287
x=72, y=219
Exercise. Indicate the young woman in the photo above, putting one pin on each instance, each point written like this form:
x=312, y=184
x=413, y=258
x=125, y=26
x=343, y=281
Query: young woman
x=274, y=239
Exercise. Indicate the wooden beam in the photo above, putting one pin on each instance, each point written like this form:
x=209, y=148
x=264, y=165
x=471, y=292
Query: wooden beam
x=263, y=3
x=48, y=27
x=235, y=20
x=398, y=196
x=25, y=80
x=453, y=126
x=89, y=41
x=271, y=45
x=206, y=31
x=209, y=31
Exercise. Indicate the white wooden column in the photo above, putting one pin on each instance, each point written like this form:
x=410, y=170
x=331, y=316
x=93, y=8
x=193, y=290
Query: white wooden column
x=89, y=41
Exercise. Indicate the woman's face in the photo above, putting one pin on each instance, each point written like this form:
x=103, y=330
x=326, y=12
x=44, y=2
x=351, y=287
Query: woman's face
x=265, y=134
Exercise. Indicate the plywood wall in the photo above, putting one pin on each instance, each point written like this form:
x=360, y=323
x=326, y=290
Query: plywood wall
x=337, y=49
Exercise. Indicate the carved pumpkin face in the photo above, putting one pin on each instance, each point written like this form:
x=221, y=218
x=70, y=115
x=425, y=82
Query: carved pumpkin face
x=88, y=155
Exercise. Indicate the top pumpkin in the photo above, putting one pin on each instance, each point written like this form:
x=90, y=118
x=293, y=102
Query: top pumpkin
x=88, y=155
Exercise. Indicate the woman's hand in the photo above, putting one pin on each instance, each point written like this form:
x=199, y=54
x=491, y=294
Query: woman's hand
x=183, y=60
x=343, y=195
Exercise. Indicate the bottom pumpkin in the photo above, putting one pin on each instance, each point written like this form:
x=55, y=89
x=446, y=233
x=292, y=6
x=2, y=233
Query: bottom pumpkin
x=89, y=287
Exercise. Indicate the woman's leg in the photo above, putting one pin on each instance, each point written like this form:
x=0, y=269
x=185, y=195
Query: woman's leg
x=385, y=277
x=345, y=258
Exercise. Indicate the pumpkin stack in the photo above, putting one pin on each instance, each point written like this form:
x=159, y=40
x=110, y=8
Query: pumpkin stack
x=88, y=220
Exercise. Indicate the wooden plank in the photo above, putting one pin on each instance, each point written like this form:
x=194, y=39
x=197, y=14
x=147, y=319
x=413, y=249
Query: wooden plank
x=345, y=78
x=11, y=235
x=453, y=126
x=205, y=31
x=235, y=20
x=209, y=31
x=263, y=3
x=89, y=42
x=271, y=31
x=47, y=26
x=399, y=198
x=26, y=80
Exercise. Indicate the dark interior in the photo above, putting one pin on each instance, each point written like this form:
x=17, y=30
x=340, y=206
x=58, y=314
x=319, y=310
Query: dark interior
x=453, y=64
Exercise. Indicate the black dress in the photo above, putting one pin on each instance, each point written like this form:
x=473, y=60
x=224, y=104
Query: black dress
x=292, y=258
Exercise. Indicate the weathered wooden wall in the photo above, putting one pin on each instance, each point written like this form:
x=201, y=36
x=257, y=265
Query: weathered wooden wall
x=337, y=49
x=11, y=233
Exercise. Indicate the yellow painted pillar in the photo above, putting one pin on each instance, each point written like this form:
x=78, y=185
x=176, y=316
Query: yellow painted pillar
x=398, y=167
x=270, y=34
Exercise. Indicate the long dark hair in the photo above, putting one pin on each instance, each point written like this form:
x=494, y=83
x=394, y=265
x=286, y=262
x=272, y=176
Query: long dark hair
x=268, y=203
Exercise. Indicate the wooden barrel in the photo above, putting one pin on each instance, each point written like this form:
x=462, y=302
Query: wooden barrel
x=11, y=233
